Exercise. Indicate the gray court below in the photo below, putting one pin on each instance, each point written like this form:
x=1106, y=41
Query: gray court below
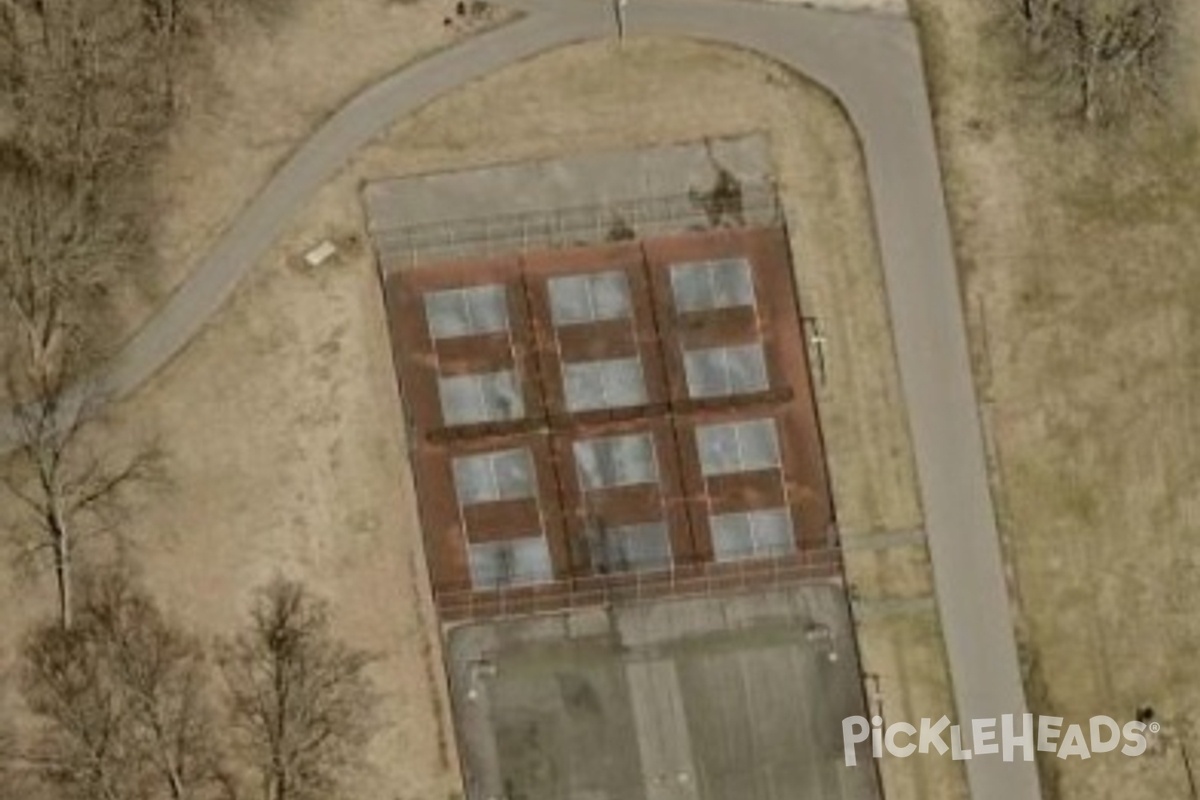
x=731, y=698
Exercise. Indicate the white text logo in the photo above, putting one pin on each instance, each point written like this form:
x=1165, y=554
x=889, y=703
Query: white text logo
x=1005, y=737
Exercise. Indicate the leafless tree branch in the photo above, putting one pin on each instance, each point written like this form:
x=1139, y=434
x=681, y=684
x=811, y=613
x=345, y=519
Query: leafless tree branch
x=302, y=700
x=55, y=253
x=1112, y=57
x=122, y=700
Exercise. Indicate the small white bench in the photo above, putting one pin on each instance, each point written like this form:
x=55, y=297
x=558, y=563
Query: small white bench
x=320, y=254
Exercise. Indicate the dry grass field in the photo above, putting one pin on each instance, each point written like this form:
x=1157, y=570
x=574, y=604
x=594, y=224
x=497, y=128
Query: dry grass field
x=285, y=441
x=283, y=432
x=1079, y=251
x=262, y=91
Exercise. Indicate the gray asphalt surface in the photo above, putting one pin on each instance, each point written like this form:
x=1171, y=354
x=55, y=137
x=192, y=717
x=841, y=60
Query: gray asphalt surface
x=736, y=697
x=872, y=64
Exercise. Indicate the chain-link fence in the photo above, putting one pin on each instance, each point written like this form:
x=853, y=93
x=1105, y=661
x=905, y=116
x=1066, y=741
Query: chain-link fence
x=693, y=580
x=739, y=205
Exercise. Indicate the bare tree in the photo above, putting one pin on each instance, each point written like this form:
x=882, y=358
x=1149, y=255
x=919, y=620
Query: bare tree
x=1037, y=19
x=166, y=22
x=85, y=83
x=80, y=750
x=302, y=699
x=8, y=761
x=176, y=29
x=1118, y=52
x=69, y=492
x=121, y=699
x=1111, y=56
x=95, y=81
x=58, y=249
x=163, y=678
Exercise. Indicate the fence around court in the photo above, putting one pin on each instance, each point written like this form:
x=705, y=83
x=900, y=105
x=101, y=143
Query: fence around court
x=701, y=579
x=753, y=204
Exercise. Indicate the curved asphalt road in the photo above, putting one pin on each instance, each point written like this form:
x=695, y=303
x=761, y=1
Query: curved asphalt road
x=873, y=65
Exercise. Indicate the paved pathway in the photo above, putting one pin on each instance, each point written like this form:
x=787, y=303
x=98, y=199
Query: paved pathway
x=873, y=65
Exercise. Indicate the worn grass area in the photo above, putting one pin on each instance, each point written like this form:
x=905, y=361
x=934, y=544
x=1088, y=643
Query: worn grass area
x=1080, y=252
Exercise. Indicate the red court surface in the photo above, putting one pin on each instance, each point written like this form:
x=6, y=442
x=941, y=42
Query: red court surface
x=633, y=419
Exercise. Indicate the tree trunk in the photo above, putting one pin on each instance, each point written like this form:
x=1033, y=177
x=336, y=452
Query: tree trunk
x=1088, y=99
x=279, y=769
x=62, y=567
